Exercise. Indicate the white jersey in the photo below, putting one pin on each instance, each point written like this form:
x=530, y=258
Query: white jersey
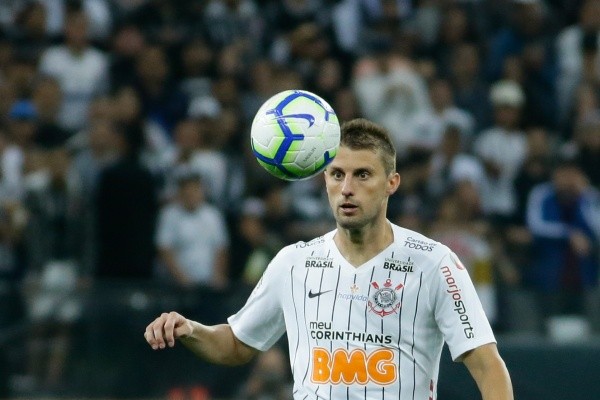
x=370, y=332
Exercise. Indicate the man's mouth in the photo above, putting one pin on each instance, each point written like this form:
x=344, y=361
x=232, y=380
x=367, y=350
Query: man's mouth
x=348, y=206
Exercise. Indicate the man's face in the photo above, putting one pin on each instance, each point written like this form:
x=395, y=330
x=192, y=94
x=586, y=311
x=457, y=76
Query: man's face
x=358, y=187
x=76, y=30
x=191, y=194
x=569, y=182
x=507, y=116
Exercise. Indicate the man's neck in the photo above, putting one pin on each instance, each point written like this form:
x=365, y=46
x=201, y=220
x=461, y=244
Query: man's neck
x=360, y=245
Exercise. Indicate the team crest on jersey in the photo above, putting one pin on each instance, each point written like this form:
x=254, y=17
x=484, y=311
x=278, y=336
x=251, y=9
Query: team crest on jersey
x=385, y=300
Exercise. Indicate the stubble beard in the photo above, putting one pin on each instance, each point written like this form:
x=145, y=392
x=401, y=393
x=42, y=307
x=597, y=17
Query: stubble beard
x=354, y=222
x=357, y=222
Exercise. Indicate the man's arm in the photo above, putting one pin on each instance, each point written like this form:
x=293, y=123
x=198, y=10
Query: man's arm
x=216, y=344
x=490, y=373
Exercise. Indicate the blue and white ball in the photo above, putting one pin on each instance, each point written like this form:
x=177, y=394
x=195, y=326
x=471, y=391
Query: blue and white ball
x=295, y=134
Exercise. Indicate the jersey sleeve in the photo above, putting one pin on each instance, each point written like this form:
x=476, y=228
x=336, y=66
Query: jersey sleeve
x=457, y=308
x=260, y=322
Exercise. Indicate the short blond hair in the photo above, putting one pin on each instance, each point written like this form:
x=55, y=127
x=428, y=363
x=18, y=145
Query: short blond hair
x=362, y=134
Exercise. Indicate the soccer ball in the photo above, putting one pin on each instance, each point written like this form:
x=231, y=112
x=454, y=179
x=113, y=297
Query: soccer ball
x=295, y=134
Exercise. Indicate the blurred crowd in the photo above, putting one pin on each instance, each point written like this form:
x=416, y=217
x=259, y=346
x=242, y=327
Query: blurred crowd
x=125, y=156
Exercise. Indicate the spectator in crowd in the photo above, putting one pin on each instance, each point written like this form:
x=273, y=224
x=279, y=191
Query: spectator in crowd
x=259, y=87
x=578, y=57
x=429, y=127
x=278, y=209
x=255, y=245
x=455, y=29
x=527, y=27
x=226, y=90
x=12, y=308
x=47, y=98
x=127, y=44
x=55, y=243
x=20, y=151
x=450, y=164
x=125, y=107
x=98, y=12
x=183, y=156
x=81, y=70
x=233, y=23
x=535, y=168
x=197, y=68
x=162, y=103
x=563, y=216
x=30, y=36
x=125, y=209
x=329, y=79
x=391, y=92
x=20, y=73
x=587, y=137
x=502, y=148
x=470, y=90
x=55, y=205
x=586, y=102
x=99, y=152
x=220, y=154
x=164, y=21
x=13, y=220
x=192, y=254
x=520, y=313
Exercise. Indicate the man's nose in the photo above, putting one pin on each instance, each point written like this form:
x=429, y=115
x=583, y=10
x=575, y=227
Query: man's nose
x=348, y=186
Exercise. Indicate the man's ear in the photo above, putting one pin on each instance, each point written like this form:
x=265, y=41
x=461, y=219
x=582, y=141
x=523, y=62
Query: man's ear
x=393, y=183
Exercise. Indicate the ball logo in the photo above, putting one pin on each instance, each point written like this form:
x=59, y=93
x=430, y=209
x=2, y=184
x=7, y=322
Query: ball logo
x=354, y=367
x=385, y=300
x=308, y=117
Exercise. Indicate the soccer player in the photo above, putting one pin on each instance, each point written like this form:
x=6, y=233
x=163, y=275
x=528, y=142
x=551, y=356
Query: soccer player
x=367, y=307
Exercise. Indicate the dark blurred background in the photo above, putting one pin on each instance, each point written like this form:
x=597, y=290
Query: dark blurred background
x=127, y=185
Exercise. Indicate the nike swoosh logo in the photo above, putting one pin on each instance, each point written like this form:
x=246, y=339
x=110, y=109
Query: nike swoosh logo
x=308, y=117
x=311, y=294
